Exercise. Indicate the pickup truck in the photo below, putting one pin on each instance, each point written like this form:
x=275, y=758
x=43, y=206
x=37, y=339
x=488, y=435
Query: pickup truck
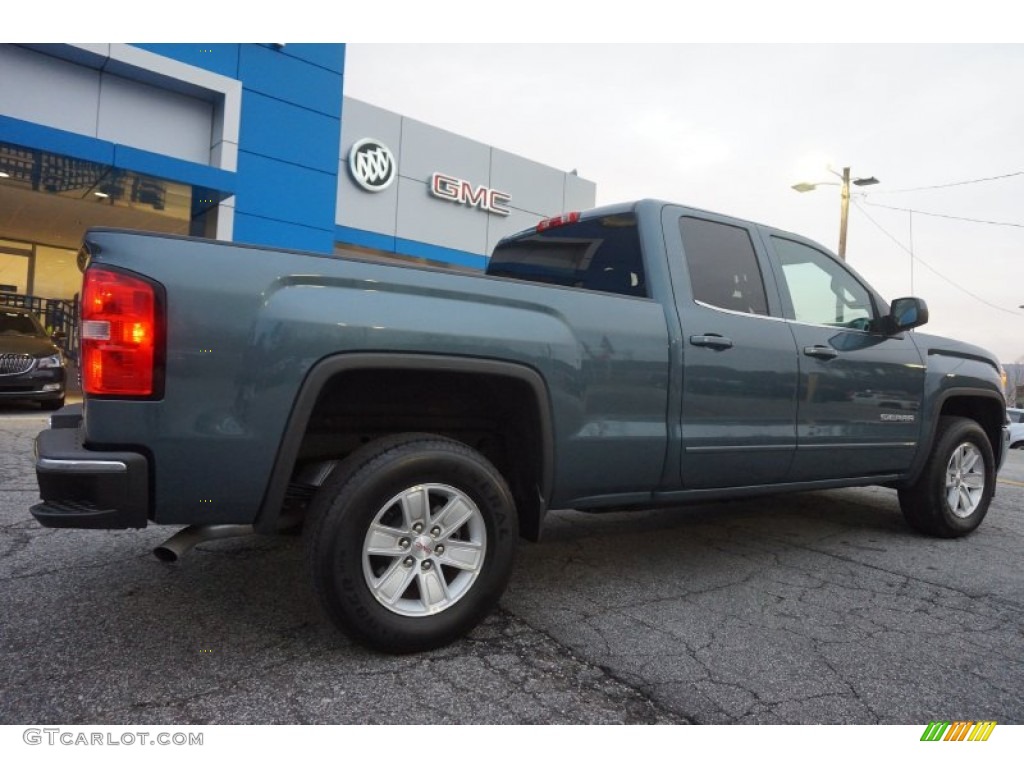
x=415, y=422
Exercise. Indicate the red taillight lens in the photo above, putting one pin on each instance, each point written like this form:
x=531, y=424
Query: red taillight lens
x=119, y=324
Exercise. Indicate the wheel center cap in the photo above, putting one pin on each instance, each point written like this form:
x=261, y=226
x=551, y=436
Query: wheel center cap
x=422, y=547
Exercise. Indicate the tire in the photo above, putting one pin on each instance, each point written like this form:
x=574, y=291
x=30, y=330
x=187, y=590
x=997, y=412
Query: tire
x=410, y=542
x=51, y=405
x=952, y=495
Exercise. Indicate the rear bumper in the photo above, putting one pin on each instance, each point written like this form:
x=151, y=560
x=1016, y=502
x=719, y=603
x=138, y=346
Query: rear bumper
x=81, y=488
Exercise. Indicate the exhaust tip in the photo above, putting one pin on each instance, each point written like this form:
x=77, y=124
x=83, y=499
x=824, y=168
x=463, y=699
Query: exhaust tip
x=175, y=547
x=165, y=554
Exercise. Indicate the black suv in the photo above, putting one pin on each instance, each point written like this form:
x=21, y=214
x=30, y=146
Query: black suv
x=31, y=365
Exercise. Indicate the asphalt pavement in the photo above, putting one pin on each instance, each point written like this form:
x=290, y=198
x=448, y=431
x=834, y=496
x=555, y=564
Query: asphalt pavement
x=810, y=608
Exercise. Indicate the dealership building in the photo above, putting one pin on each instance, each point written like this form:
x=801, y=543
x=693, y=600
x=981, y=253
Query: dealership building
x=249, y=143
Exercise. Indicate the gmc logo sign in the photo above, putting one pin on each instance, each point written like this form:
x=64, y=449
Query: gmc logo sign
x=461, y=191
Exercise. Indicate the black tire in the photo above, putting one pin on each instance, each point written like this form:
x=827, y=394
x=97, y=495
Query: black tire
x=51, y=405
x=961, y=465
x=403, y=592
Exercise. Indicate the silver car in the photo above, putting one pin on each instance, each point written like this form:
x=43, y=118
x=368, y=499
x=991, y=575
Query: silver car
x=1016, y=418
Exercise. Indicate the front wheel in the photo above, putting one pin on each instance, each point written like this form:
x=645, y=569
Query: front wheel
x=952, y=496
x=411, y=542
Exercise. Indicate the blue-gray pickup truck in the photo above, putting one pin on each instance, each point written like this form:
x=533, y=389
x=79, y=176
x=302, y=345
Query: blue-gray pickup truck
x=416, y=422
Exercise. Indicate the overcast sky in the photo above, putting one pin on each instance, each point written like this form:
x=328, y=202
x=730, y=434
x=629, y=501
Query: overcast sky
x=731, y=127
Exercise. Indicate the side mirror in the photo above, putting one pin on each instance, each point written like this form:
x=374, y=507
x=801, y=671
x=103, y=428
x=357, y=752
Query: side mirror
x=59, y=336
x=904, y=314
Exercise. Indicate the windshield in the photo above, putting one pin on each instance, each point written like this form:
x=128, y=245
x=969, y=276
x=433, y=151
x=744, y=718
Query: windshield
x=19, y=324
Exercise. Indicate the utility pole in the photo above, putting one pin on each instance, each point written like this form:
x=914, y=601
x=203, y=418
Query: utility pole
x=844, y=214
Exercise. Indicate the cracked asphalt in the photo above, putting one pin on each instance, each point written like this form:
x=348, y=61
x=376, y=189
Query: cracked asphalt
x=813, y=608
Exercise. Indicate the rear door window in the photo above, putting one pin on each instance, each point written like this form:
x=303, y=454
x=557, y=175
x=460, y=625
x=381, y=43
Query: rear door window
x=723, y=267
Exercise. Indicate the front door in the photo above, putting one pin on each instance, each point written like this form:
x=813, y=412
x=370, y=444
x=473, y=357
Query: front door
x=860, y=391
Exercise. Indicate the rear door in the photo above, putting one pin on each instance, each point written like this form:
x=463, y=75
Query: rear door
x=739, y=361
x=860, y=391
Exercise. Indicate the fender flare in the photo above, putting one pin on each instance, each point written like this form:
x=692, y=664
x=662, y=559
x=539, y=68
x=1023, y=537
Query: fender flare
x=928, y=436
x=329, y=367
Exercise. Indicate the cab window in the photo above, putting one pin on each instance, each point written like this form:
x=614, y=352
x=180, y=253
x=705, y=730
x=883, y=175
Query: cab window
x=596, y=254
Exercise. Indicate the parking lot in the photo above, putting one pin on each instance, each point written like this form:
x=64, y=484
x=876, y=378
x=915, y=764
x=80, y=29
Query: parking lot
x=813, y=608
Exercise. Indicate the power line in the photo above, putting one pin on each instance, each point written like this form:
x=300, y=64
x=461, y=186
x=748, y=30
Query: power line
x=951, y=184
x=925, y=264
x=947, y=216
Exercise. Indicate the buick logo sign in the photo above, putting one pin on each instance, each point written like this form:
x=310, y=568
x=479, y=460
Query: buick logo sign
x=372, y=165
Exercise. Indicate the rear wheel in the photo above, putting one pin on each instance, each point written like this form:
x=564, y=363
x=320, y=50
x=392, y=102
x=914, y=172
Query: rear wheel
x=952, y=496
x=411, y=542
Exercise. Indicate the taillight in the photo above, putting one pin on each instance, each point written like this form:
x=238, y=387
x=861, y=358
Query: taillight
x=558, y=221
x=119, y=327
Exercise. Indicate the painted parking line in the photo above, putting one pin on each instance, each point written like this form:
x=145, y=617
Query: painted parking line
x=1012, y=482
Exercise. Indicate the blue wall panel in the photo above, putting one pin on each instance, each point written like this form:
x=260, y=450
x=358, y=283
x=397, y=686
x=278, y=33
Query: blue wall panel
x=172, y=168
x=327, y=55
x=105, y=153
x=281, y=234
x=365, y=239
x=221, y=58
x=289, y=79
x=277, y=190
x=287, y=154
x=283, y=131
x=287, y=179
x=42, y=137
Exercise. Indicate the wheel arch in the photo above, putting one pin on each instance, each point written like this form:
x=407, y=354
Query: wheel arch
x=983, y=406
x=533, y=479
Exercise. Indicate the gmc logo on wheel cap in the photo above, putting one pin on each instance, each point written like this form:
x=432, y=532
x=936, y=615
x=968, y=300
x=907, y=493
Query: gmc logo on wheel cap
x=372, y=165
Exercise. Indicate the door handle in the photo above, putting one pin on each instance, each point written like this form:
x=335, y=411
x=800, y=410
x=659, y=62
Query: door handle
x=712, y=340
x=821, y=351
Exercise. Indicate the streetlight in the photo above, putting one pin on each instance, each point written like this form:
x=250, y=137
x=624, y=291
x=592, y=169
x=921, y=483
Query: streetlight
x=805, y=186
